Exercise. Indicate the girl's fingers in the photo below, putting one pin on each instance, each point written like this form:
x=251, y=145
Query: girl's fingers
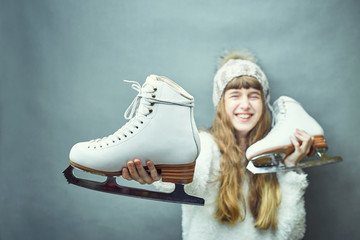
x=125, y=174
x=134, y=173
x=153, y=172
x=306, y=140
x=143, y=174
x=295, y=143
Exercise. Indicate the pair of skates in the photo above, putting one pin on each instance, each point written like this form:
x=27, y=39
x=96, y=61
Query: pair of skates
x=161, y=128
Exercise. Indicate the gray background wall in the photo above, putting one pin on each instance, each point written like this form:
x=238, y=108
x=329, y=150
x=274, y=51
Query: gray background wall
x=61, y=71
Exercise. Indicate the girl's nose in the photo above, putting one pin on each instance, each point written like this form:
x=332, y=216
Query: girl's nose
x=244, y=103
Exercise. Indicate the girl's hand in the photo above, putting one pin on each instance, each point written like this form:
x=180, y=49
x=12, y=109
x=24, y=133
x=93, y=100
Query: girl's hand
x=302, y=143
x=135, y=171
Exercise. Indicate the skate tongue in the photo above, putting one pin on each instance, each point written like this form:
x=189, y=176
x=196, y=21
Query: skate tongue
x=155, y=78
x=151, y=79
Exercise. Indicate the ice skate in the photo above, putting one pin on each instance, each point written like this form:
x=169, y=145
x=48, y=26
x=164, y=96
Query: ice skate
x=161, y=128
x=266, y=155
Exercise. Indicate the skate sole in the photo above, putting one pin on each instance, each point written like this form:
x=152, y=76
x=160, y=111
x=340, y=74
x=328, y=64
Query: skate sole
x=182, y=173
x=319, y=142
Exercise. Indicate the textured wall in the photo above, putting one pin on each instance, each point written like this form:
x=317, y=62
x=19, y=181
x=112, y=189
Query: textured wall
x=61, y=69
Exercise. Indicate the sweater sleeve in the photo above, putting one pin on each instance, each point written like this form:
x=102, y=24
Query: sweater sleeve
x=202, y=169
x=291, y=215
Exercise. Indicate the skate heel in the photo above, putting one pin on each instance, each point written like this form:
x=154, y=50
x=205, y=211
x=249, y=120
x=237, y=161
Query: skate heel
x=181, y=174
x=319, y=142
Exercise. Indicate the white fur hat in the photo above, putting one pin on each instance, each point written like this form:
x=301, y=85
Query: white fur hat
x=236, y=68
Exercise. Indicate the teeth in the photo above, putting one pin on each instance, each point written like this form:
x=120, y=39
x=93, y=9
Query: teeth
x=244, y=116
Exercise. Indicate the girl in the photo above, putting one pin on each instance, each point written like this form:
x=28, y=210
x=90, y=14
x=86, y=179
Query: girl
x=238, y=204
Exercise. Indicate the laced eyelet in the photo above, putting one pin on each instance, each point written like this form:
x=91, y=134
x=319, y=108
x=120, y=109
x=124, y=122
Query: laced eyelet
x=155, y=89
x=152, y=104
x=153, y=96
x=150, y=110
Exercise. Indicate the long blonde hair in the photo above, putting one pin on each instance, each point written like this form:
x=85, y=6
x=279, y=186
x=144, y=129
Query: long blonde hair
x=264, y=194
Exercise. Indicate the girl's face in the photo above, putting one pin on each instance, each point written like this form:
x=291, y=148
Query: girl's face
x=244, y=108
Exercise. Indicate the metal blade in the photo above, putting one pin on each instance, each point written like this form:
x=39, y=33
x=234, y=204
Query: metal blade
x=323, y=160
x=110, y=186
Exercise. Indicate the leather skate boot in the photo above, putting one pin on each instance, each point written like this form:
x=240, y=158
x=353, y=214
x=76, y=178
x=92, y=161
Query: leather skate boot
x=267, y=154
x=161, y=128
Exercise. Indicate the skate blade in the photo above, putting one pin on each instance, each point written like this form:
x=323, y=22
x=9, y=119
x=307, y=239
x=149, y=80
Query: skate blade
x=110, y=186
x=280, y=167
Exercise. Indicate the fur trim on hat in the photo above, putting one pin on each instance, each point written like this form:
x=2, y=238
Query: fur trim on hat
x=243, y=55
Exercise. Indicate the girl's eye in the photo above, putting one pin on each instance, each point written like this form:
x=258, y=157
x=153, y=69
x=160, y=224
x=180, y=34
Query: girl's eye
x=254, y=96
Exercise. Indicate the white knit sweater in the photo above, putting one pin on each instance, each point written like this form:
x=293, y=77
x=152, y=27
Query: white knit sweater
x=198, y=222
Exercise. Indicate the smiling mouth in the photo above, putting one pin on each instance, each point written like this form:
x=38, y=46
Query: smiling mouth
x=244, y=115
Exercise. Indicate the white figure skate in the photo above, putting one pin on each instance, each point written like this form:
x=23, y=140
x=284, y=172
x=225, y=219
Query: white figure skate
x=161, y=128
x=266, y=155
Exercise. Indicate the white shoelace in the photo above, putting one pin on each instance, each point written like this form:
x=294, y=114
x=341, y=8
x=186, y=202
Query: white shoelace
x=143, y=92
x=136, y=113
